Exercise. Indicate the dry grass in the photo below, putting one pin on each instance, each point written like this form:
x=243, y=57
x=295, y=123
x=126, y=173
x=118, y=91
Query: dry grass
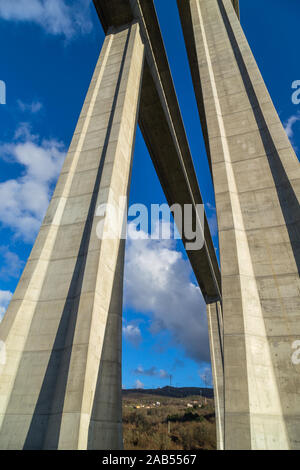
x=171, y=426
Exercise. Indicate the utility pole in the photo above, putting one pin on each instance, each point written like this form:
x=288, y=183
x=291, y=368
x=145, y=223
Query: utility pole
x=206, y=382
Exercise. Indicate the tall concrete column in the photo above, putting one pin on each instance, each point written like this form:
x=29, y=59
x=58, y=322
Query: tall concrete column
x=61, y=385
x=215, y=331
x=256, y=176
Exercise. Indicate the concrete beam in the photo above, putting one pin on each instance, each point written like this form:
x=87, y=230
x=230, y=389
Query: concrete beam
x=163, y=130
x=60, y=387
x=257, y=186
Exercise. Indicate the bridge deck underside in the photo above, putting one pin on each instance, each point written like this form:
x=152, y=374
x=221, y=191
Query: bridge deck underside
x=163, y=130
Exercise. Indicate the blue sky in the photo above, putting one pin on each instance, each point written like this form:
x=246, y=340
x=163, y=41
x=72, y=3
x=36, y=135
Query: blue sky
x=49, y=50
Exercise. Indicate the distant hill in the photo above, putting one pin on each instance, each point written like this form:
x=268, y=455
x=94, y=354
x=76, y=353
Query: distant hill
x=175, y=392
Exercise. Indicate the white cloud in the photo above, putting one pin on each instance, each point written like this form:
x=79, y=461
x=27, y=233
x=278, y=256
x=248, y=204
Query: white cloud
x=138, y=384
x=11, y=264
x=157, y=283
x=210, y=206
x=153, y=371
x=289, y=124
x=141, y=371
x=206, y=376
x=24, y=200
x=5, y=296
x=57, y=17
x=32, y=108
x=132, y=333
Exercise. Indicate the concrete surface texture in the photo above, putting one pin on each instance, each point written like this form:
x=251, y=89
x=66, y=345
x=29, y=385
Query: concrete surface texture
x=61, y=385
x=162, y=127
x=256, y=177
x=216, y=338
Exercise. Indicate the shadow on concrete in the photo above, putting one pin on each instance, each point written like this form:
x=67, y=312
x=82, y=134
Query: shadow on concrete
x=287, y=198
x=44, y=430
x=105, y=429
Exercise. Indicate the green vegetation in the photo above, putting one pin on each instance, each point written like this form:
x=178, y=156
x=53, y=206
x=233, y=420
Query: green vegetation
x=188, y=416
x=169, y=425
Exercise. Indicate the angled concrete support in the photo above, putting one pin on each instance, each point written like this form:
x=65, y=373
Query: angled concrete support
x=61, y=385
x=216, y=343
x=256, y=177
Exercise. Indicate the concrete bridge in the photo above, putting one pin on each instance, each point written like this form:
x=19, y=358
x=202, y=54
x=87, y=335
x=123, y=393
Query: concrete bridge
x=60, y=387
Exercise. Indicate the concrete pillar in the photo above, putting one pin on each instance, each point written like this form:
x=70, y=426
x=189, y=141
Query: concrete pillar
x=256, y=177
x=215, y=330
x=61, y=385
